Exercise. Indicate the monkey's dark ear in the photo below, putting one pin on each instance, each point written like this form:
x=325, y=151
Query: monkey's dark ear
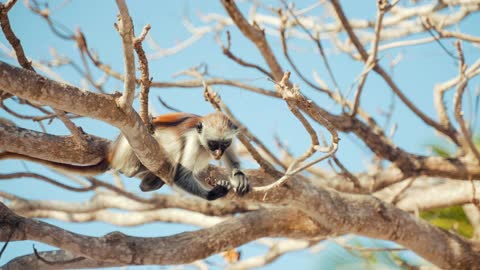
x=199, y=127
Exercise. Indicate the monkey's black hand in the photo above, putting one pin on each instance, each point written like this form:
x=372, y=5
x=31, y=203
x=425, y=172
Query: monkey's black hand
x=240, y=182
x=220, y=190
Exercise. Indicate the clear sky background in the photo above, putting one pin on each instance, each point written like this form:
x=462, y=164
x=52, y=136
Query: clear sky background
x=420, y=69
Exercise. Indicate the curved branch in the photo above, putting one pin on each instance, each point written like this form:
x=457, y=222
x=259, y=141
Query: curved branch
x=30, y=86
x=51, y=147
x=104, y=200
x=215, y=81
x=338, y=213
x=125, y=28
x=256, y=35
x=162, y=250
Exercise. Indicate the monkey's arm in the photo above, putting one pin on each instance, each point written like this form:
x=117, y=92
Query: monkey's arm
x=238, y=179
x=185, y=179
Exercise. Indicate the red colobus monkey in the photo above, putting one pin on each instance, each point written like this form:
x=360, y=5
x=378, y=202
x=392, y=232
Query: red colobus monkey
x=190, y=142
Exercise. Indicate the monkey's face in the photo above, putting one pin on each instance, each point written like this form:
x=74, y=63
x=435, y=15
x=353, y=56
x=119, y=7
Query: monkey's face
x=215, y=134
x=218, y=147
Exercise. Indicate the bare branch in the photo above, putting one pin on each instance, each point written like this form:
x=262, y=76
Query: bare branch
x=128, y=219
x=145, y=75
x=256, y=35
x=125, y=28
x=316, y=39
x=457, y=101
x=274, y=252
x=11, y=37
x=226, y=50
x=51, y=147
x=46, y=179
x=215, y=81
x=163, y=250
x=372, y=57
x=380, y=71
x=246, y=136
x=440, y=89
x=78, y=134
x=289, y=59
x=131, y=202
x=289, y=95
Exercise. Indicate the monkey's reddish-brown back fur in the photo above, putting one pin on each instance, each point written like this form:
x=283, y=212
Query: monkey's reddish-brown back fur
x=186, y=121
x=183, y=121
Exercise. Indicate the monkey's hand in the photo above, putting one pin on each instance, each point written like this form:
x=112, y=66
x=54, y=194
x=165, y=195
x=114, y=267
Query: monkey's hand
x=239, y=182
x=219, y=190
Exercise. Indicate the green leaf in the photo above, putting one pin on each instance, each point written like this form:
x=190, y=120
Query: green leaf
x=450, y=218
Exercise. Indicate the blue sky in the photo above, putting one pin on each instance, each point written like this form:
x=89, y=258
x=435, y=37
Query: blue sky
x=420, y=69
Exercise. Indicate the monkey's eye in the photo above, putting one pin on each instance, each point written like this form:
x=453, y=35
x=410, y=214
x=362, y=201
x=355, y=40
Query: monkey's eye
x=232, y=125
x=226, y=144
x=199, y=127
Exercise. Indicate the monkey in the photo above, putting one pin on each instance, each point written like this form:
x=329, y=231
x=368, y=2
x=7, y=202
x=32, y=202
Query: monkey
x=190, y=142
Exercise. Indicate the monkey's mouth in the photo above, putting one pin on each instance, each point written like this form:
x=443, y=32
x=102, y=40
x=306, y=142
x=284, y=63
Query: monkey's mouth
x=217, y=154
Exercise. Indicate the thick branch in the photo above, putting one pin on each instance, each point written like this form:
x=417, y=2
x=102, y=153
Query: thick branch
x=50, y=147
x=31, y=86
x=177, y=249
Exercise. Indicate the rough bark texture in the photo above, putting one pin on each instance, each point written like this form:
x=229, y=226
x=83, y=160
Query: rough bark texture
x=282, y=203
x=334, y=213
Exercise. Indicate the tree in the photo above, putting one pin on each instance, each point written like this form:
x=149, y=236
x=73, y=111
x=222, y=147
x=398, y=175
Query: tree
x=291, y=197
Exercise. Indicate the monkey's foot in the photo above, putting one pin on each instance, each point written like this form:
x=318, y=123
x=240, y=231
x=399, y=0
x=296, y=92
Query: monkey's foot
x=151, y=182
x=220, y=190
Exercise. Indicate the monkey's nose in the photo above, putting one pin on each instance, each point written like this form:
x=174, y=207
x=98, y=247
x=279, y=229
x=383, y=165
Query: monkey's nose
x=217, y=154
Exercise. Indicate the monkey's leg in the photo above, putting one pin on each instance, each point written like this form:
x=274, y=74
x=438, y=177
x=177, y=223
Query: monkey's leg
x=185, y=179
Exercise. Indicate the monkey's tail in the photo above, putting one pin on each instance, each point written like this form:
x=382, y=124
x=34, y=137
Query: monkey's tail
x=88, y=170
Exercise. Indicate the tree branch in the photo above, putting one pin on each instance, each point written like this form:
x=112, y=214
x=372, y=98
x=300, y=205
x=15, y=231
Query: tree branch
x=51, y=147
x=125, y=28
x=162, y=250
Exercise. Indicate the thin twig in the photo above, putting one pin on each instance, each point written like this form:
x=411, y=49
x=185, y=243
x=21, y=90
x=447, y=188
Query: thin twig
x=77, y=132
x=396, y=198
x=372, y=58
x=457, y=103
x=58, y=262
x=26, y=117
x=12, y=231
x=318, y=43
x=166, y=105
x=246, y=136
x=11, y=37
x=289, y=94
x=26, y=64
x=125, y=28
x=145, y=79
x=226, y=50
x=83, y=48
x=283, y=39
x=256, y=35
x=428, y=26
x=440, y=89
x=348, y=174
x=46, y=179
x=366, y=249
x=380, y=71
